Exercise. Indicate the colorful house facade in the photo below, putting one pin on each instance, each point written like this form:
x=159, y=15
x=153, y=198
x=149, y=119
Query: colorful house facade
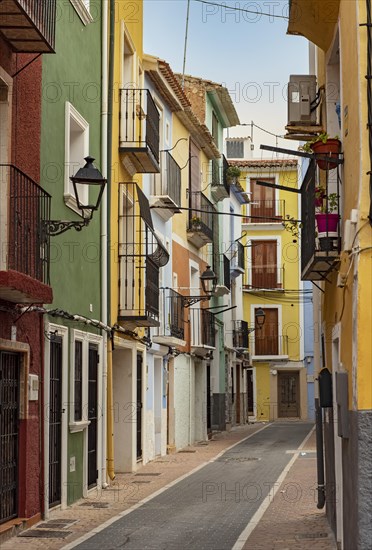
x=26, y=34
x=340, y=56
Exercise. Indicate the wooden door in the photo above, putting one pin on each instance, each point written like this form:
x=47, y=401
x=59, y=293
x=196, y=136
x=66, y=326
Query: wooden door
x=264, y=264
x=266, y=337
x=288, y=395
x=263, y=201
x=92, y=416
x=250, y=396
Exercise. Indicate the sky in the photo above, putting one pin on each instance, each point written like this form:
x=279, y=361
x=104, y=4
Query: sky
x=249, y=53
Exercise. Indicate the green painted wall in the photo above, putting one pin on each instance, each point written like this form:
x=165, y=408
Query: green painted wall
x=73, y=74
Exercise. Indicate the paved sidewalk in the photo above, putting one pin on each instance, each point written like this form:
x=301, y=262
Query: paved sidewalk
x=285, y=525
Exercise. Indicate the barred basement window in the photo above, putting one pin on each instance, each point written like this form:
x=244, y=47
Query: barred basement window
x=78, y=381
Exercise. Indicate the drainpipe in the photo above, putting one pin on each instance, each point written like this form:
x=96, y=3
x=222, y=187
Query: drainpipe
x=110, y=408
x=319, y=454
x=104, y=115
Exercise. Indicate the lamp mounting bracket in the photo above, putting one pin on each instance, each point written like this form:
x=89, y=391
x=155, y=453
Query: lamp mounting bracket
x=57, y=227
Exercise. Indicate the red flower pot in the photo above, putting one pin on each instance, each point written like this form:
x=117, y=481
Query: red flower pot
x=330, y=149
x=327, y=223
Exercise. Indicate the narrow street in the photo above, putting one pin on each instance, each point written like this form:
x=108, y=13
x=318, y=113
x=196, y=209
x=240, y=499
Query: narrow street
x=224, y=502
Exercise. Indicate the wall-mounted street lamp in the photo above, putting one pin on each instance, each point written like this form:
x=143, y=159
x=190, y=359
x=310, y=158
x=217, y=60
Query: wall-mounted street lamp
x=89, y=176
x=259, y=320
x=209, y=282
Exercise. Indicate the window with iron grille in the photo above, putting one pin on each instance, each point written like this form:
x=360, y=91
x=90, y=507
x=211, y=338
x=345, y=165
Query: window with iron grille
x=78, y=381
x=235, y=149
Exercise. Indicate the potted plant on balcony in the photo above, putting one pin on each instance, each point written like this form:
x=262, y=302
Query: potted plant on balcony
x=324, y=146
x=233, y=175
x=195, y=223
x=292, y=225
x=320, y=194
x=327, y=221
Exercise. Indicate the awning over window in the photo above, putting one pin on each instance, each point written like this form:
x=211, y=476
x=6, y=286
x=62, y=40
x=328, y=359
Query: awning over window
x=157, y=252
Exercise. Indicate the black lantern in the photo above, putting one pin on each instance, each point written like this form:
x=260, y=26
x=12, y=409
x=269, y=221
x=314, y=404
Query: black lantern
x=88, y=176
x=85, y=177
x=260, y=317
x=209, y=281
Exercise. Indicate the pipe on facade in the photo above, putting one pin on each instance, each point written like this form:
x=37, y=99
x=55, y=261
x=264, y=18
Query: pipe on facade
x=369, y=97
x=104, y=289
x=109, y=407
x=319, y=454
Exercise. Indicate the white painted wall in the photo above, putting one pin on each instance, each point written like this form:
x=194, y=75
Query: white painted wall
x=183, y=398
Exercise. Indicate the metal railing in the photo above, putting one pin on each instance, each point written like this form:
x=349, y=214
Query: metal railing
x=139, y=120
x=201, y=219
x=266, y=276
x=172, y=318
x=42, y=13
x=203, y=332
x=264, y=211
x=237, y=256
x=152, y=288
x=219, y=167
x=28, y=249
x=241, y=334
x=168, y=182
x=270, y=345
x=226, y=272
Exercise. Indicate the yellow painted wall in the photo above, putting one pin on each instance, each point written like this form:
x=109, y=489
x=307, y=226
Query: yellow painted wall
x=128, y=16
x=263, y=391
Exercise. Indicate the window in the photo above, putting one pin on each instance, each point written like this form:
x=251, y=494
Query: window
x=82, y=8
x=263, y=203
x=235, y=149
x=76, y=149
x=267, y=337
x=264, y=264
x=78, y=381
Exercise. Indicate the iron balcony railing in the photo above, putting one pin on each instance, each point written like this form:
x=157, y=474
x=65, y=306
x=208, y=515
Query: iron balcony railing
x=219, y=178
x=264, y=211
x=203, y=331
x=168, y=182
x=240, y=335
x=226, y=272
x=140, y=119
x=28, y=246
x=265, y=276
x=237, y=257
x=141, y=254
x=320, y=247
x=201, y=219
x=29, y=25
x=172, y=318
x=275, y=345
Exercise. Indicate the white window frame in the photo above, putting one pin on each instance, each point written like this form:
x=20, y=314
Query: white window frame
x=82, y=8
x=280, y=333
x=278, y=257
x=267, y=225
x=78, y=425
x=72, y=113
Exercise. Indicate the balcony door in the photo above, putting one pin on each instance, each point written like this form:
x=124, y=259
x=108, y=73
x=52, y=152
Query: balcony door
x=264, y=264
x=267, y=338
x=263, y=201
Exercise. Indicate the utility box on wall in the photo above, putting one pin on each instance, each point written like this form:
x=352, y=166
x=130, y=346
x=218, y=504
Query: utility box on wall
x=33, y=387
x=301, y=99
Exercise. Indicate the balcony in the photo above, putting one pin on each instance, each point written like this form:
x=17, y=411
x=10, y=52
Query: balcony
x=171, y=331
x=166, y=188
x=220, y=189
x=267, y=347
x=139, y=131
x=265, y=277
x=224, y=281
x=237, y=260
x=264, y=211
x=203, y=332
x=28, y=25
x=141, y=254
x=25, y=258
x=200, y=225
x=240, y=336
x=320, y=251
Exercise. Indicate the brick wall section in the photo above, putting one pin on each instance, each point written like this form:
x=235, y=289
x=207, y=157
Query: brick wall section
x=195, y=92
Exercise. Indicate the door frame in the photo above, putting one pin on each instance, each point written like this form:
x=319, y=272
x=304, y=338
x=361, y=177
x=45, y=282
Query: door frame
x=298, y=392
x=253, y=369
x=280, y=331
x=61, y=331
x=278, y=241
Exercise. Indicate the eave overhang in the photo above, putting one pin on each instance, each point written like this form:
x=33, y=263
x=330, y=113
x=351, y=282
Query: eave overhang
x=314, y=19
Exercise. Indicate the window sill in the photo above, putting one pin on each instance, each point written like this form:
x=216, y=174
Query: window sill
x=75, y=427
x=82, y=11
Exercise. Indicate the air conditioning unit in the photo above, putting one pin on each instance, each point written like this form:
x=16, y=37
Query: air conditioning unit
x=301, y=97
